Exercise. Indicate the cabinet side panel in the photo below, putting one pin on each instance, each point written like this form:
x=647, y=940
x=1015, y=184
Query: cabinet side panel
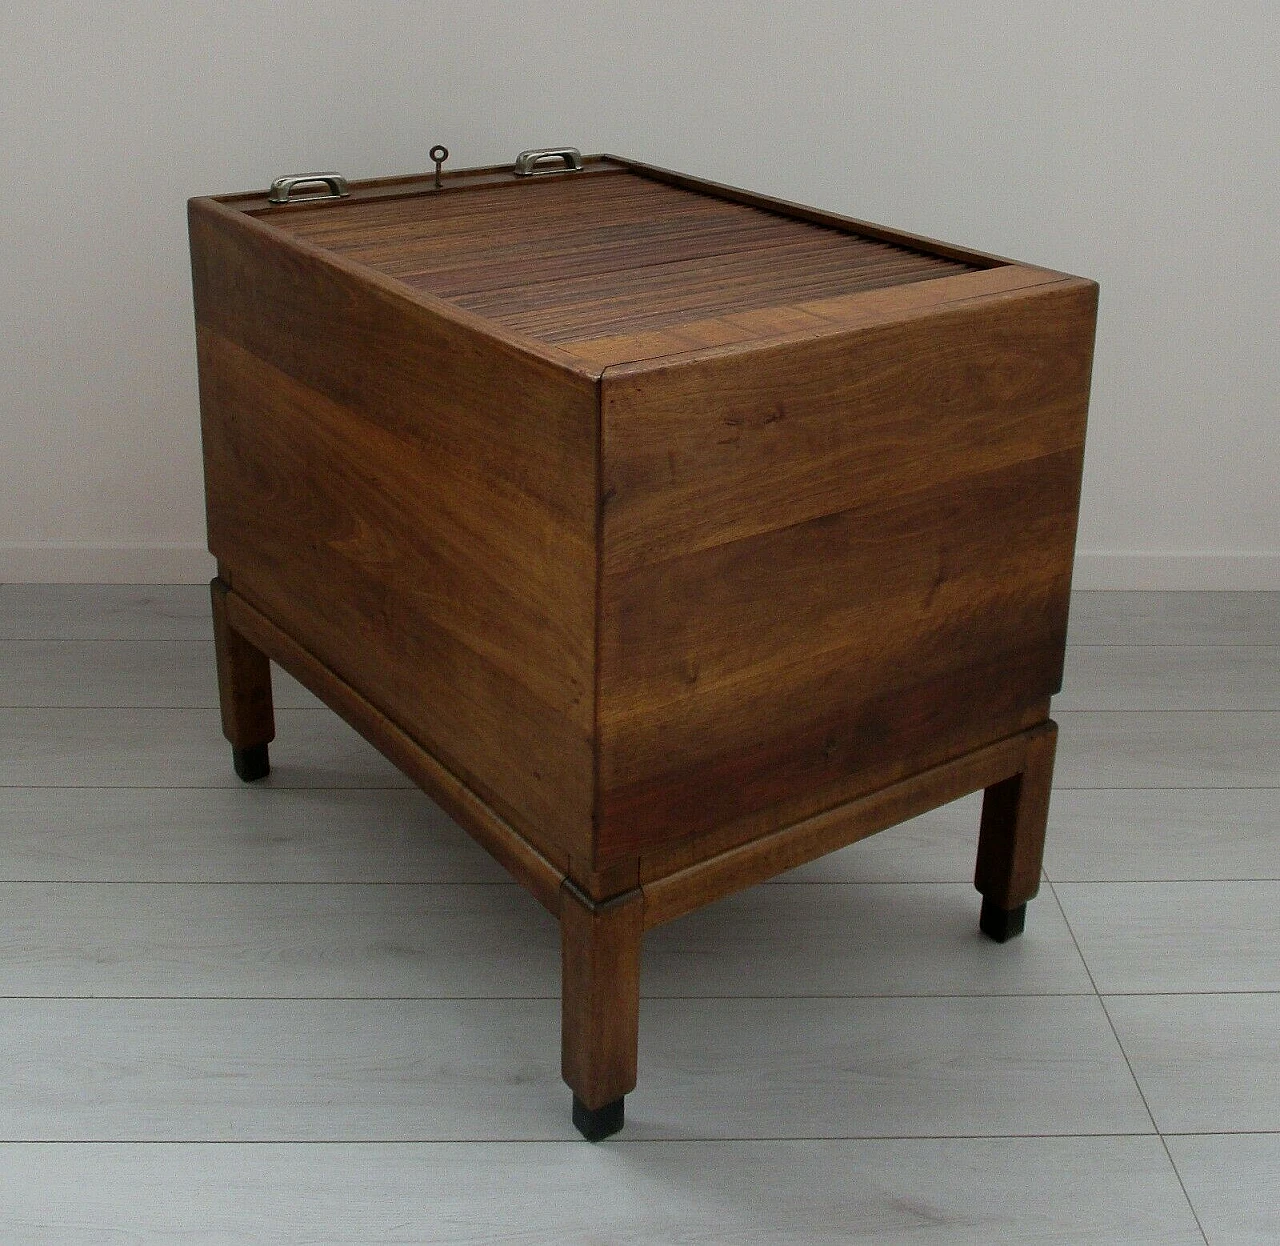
x=414, y=504
x=829, y=565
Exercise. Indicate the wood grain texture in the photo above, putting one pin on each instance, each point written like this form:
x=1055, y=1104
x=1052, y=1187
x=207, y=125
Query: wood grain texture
x=244, y=680
x=564, y=258
x=179, y=748
x=668, y=535
x=520, y=858
x=882, y=1067
x=1060, y=1191
x=674, y=291
x=805, y=212
x=1164, y=835
x=1206, y=1062
x=844, y=642
x=1168, y=938
x=831, y=564
x=1175, y=618
x=97, y=674
x=799, y=321
x=532, y=232
x=932, y=847
x=225, y=941
x=672, y=892
x=1015, y=812
x=727, y=447
x=193, y=1103
x=1168, y=750
x=600, y=994
x=844, y=939
x=264, y=834
x=416, y=504
x=52, y=612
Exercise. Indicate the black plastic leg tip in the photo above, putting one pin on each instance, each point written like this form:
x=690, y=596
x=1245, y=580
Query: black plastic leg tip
x=600, y=1123
x=251, y=763
x=1002, y=924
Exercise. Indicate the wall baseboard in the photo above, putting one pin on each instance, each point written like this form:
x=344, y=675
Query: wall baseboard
x=54, y=562
x=1190, y=570
x=69, y=562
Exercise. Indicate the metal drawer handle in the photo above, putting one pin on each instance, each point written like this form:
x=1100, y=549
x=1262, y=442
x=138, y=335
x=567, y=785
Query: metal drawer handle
x=282, y=188
x=527, y=162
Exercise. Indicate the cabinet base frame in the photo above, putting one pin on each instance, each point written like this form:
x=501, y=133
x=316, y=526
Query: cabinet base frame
x=601, y=938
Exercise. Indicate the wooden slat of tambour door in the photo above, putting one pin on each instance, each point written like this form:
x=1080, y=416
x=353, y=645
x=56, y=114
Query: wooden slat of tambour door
x=515, y=210
x=740, y=227
x=423, y=243
x=783, y=266
x=565, y=250
x=618, y=316
x=680, y=292
x=771, y=258
x=560, y=200
x=802, y=212
x=516, y=253
x=525, y=211
x=578, y=252
x=809, y=319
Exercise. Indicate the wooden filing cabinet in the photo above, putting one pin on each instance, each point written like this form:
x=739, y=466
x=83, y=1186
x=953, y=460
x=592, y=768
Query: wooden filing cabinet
x=667, y=535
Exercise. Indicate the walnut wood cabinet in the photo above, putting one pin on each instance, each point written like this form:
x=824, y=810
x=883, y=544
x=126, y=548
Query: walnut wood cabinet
x=667, y=535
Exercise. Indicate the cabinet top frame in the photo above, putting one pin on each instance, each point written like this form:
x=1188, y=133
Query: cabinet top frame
x=625, y=265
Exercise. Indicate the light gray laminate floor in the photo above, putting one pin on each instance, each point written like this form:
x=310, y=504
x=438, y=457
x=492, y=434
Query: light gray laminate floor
x=312, y=1010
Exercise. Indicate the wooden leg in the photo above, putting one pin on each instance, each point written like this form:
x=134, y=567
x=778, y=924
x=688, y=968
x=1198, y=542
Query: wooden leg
x=244, y=692
x=600, y=1005
x=1011, y=842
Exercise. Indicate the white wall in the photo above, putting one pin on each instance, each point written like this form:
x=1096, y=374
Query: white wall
x=1135, y=143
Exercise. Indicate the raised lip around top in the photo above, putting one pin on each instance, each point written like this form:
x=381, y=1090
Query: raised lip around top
x=412, y=185
x=257, y=213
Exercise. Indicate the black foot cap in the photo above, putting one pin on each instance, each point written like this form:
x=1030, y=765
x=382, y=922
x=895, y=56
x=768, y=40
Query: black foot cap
x=1002, y=924
x=251, y=763
x=599, y=1124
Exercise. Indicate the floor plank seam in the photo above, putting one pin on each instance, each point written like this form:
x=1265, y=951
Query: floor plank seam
x=200, y=787
x=1132, y=1072
x=1102, y=1004
x=1159, y=882
x=573, y=1140
x=490, y=999
x=288, y=882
